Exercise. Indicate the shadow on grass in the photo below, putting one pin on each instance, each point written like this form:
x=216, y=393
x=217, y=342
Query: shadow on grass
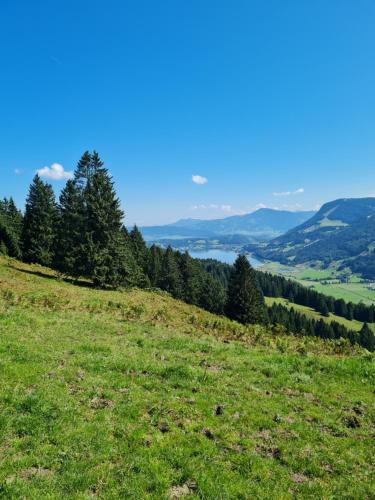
x=58, y=277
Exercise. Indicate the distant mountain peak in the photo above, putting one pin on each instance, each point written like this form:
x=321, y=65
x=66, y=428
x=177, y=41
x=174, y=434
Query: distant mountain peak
x=260, y=225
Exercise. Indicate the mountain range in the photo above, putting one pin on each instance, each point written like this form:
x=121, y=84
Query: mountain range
x=342, y=232
x=261, y=225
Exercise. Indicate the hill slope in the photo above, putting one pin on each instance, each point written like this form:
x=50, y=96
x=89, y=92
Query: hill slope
x=262, y=224
x=135, y=395
x=342, y=231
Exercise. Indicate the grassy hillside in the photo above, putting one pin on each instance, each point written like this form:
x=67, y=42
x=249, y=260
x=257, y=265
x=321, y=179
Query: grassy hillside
x=135, y=395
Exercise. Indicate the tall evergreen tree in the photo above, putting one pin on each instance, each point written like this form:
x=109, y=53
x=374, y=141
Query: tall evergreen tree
x=245, y=301
x=39, y=228
x=104, y=243
x=88, y=165
x=10, y=228
x=190, y=274
x=153, y=267
x=69, y=257
x=212, y=294
x=139, y=247
x=170, y=276
x=367, y=338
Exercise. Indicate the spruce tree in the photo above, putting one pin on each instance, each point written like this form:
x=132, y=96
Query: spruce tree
x=190, y=274
x=139, y=247
x=245, y=301
x=87, y=166
x=170, y=276
x=322, y=307
x=70, y=230
x=153, y=267
x=367, y=338
x=104, y=243
x=212, y=295
x=10, y=228
x=39, y=228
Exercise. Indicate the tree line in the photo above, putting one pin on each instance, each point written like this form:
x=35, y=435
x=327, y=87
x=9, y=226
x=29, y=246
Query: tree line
x=273, y=285
x=82, y=235
x=296, y=322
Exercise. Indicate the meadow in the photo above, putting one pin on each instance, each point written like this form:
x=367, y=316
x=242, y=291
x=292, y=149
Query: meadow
x=132, y=394
x=325, y=281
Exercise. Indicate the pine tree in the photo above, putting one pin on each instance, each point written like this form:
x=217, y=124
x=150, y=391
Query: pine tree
x=10, y=228
x=139, y=247
x=87, y=166
x=245, y=301
x=170, y=277
x=367, y=338
x=153, y=267
x=190, y=274
x=68, y=254
x=212, y=295
x=39, y=228
x=321, y=306
x=104, y=243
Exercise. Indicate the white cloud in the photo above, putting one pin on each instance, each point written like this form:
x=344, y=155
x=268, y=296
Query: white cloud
x=289, y=193
x=198, y=179
x=55, y=172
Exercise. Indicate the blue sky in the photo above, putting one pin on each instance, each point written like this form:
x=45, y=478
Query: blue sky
x=273, y=103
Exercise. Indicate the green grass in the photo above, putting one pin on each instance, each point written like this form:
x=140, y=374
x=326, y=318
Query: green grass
x=353, y=291
x=350, y=292
x=135, y=395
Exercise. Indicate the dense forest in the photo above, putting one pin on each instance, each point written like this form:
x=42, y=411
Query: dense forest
x=82, y=235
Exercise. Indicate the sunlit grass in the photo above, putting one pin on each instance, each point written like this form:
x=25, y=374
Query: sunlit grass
x=135, y=395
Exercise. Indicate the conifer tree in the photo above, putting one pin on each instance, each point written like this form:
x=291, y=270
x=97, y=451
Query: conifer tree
x=321, y=306
x=367, y=338
x=139, y=247
x=10, y=228
x=170, y=277
x=190, y=274
x=212, y=295
x=245, y=302
x=86, y=167
x=70, y=230
x=39, y=228
x=153, y=267
x=104, y=244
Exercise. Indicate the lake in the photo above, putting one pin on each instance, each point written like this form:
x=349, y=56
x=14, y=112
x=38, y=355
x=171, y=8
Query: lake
x=227, y=256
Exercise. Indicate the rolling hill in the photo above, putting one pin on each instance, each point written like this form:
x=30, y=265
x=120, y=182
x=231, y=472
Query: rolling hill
x=342, y=233
x=261, y=225
x=133, y=394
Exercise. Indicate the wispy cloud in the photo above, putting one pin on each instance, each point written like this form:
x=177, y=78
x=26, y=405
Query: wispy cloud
x=199, y=179
x=55, y=172
x=55, y=59
x=289, y=193
x=17, y=171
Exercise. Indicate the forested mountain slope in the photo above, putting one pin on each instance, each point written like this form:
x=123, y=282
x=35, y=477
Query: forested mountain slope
x=133, y=394
x=343, y=231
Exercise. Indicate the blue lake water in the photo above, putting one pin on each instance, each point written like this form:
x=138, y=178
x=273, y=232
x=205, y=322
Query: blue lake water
x=227, y=256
